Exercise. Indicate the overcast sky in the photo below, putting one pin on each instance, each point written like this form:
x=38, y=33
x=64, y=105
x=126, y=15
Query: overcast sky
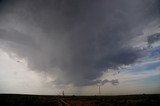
x=47, y=46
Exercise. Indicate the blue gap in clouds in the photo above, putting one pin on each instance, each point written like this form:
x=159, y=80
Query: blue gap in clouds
x=146, y=67
x=151, y=81
x=153, y=53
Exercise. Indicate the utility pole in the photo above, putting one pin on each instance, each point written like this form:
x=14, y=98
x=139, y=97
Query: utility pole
x=99, y=89
x=63, y=93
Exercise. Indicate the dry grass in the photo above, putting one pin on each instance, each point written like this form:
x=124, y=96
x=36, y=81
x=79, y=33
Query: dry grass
x=40, y=100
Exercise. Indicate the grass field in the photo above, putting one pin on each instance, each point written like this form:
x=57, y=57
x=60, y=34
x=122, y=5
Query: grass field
x=41, y=100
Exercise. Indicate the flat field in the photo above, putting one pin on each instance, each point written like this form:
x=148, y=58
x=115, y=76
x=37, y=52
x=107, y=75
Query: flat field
x=46, y=100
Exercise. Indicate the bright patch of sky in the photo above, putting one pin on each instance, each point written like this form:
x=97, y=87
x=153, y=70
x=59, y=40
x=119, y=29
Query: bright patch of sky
x=16, y=77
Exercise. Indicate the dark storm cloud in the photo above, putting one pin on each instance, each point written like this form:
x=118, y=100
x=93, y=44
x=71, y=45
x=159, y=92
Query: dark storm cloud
x=80, y=38
x=89, y=82
x=114, y=82
x=154, y=38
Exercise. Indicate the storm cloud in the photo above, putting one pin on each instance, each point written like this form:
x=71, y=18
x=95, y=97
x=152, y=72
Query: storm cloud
x=154, y=38
x=74, y=40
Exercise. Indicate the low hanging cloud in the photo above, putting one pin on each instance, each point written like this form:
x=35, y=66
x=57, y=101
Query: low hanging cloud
x=113, y=82
x=74, y=40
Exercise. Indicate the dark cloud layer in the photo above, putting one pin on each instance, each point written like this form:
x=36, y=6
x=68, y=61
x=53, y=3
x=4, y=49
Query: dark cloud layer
x=74, y=40
x=154, y=38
